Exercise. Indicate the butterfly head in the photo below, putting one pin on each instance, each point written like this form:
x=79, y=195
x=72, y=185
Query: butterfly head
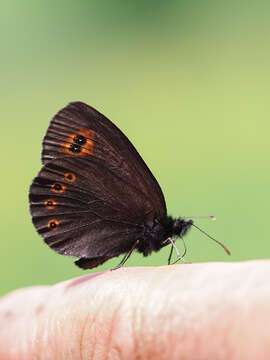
x=181, y=226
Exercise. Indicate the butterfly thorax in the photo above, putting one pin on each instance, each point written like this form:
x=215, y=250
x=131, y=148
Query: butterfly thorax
x=154, y=238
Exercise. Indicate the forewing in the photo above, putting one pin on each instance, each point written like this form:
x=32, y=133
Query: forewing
x=80, y=131
x=83, y=209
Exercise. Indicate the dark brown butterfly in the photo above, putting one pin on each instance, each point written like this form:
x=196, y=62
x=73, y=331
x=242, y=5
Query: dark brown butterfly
x=94, y=197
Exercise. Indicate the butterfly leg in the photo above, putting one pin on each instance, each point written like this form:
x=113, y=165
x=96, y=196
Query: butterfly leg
x=170, y=255
x=179, y=256
x=126, y=257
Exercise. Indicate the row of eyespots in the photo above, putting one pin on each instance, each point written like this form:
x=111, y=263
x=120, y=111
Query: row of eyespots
x=50, y=204
x=79, y=143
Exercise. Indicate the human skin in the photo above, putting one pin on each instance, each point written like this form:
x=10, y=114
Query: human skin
x=194, y=311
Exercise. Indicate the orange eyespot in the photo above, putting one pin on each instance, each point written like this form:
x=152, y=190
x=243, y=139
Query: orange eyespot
x=79, y=143
x=53, y=224
x=58, y=188
x=70, y=177
x=50, y=204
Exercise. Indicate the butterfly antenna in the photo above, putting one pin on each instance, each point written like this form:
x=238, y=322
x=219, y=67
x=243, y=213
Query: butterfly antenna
x=213, y=218
x=210, y=237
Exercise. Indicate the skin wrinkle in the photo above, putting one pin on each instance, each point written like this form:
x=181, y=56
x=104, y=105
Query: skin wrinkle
x=111, y=344
x=153, y=343
x=36, y=344
x=137, y=320
x=141, y=334
x=178, y=321
x=146, y=326
x=227, y=328
x=134, y=326
x=48, y=330
x=32, y=347
x=29, y=346
x=89, y=318
x=123, y=333
x=169, y=336
x=54, y=327
x=84, y=324
x=141, y=330
x=55, y=324
x=91, y=333
x=140, y=351
x=116, y=296
x=112, y=348
x=77, y=326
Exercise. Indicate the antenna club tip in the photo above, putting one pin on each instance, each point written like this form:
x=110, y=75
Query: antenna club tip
x=225, y=248
x=213, y=218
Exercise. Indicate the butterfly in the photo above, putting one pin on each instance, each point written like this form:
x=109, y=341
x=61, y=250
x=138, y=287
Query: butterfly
x=94, y=197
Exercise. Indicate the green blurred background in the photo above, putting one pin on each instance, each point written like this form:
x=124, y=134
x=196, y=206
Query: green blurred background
x=188, y=83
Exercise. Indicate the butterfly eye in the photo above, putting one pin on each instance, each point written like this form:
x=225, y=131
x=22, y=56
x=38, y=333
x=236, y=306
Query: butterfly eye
x=50, y=204
x=58, y=188
x=53, y=224
x=70, y=177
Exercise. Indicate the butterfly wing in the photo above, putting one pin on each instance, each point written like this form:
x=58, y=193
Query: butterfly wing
x=80, y=131
x=83, y=209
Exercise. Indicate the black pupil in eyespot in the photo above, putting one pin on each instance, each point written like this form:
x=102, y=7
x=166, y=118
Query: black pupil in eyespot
x=57, y=187
x=69, y=177
x=79, y=139
x=52, y=225
x=49, y=203
x=75, y=148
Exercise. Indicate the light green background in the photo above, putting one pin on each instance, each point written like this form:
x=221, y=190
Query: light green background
x=187, y=81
